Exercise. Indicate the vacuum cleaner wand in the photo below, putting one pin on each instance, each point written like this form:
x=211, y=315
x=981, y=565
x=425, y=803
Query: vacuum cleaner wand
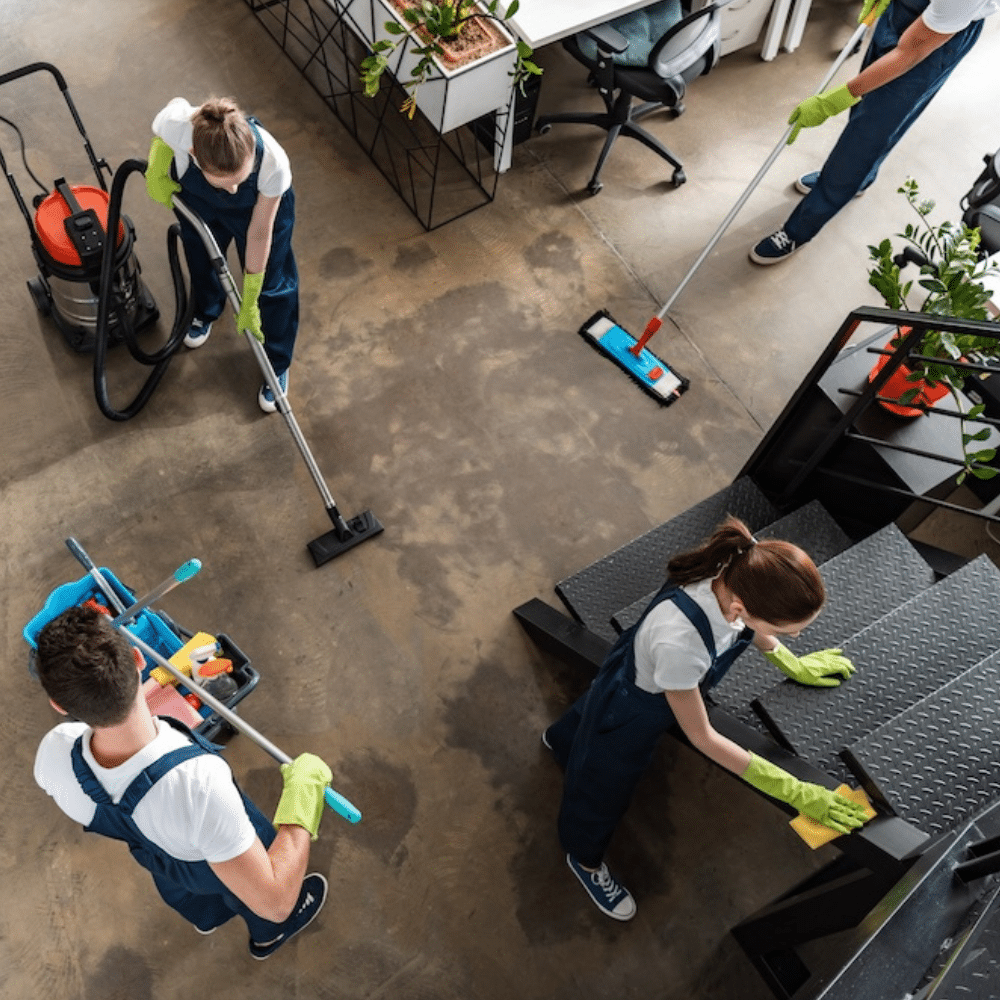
x=345, y=534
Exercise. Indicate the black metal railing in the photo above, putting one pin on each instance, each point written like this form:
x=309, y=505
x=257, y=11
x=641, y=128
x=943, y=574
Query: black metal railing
x=789, y=461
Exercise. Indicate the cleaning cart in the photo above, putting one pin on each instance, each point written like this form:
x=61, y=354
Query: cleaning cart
x=170, y=640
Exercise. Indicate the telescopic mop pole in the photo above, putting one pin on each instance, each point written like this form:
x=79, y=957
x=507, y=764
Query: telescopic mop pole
x=333, y=799
x=657, y=321
x=179, y=575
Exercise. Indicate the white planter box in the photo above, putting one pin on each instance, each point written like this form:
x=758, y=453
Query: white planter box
x=450, y=98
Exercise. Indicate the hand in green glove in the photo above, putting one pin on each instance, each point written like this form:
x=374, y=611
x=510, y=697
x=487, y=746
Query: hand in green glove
x=160, y=186
x=249, y=317
x=814, y=801
x=872, y=11
x=301, y=803
x=815, y=110
x=815, y=669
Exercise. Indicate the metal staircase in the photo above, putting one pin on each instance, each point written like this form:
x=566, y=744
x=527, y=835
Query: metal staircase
x=912, y=900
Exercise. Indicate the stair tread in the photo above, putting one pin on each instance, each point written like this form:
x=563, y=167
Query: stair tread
x=900, y=658
x=810, y=527
x=596, y=592
x=894, y=573
x=936, y=763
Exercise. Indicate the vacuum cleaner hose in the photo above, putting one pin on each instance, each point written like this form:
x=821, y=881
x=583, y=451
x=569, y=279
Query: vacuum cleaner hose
x=159, y=360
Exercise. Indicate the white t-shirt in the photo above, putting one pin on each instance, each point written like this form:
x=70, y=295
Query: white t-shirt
x=669, y=652
x=173, y=126
x=194, y=812
x=947, y=17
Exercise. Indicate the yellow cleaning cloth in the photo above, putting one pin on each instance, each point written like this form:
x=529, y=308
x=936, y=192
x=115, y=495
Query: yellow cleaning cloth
x=182, y=659
x=815, y=834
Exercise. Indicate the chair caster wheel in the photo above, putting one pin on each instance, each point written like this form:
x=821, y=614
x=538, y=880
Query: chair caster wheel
x=679, y=178
x=595, y=187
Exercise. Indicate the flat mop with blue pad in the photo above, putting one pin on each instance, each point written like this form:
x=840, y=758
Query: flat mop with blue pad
x=651, y=374
x=631, y=355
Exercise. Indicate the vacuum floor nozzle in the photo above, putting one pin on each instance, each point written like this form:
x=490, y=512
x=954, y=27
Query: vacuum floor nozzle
x=336, y=542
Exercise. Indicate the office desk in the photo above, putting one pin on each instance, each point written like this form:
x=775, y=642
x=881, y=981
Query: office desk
x=539, y=22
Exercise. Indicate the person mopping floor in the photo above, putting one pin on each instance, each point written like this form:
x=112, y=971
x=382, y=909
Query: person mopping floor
x=718, y=599
x=238, y=180
x=915, y=46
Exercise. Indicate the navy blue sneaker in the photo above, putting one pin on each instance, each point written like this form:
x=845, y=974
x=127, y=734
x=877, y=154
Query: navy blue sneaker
x=807, y=182
x=776, y=248
x=609, y=896
x=265, y=398
x=197, y=333
x=311, y=900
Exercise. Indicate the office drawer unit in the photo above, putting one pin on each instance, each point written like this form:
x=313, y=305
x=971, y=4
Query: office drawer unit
x=742, y=22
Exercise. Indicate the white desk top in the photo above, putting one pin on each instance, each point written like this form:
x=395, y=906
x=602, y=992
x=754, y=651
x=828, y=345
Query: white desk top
x=539, y=22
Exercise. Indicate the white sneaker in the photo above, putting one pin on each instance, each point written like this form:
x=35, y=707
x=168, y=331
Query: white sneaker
x=198, y=333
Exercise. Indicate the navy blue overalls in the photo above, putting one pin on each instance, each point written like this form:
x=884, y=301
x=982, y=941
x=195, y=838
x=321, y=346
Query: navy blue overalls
x=880, y=119
x=228, y=217
x=606, y=740
x=190, y=887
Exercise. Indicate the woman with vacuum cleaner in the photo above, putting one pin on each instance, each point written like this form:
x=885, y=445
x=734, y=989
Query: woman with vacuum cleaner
x=233, y=174
x=167, y=793
x=718, y=599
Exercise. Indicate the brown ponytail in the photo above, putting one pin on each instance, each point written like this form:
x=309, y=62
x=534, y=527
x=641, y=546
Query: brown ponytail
x=221, y=136
x=776, y=581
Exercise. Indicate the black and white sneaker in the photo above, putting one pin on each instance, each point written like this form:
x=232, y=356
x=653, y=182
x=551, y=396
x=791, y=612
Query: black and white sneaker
x=197, y=334
x=311, y=900
x=807, y=182
x=773, y=250
x=609, y=896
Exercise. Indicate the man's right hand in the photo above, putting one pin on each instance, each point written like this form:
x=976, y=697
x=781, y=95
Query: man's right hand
x=160, y=186
x=301, y=802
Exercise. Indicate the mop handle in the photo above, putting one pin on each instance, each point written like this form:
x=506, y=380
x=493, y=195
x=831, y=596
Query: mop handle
x=182, y=573
x=263, y=362
x=655, y=323
x=81, y=557
x=334, y=799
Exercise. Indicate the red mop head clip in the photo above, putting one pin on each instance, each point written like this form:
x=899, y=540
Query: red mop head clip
x=651, y=327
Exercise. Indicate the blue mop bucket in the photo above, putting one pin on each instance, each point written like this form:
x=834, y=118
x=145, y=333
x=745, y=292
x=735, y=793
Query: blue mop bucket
x=152, y=629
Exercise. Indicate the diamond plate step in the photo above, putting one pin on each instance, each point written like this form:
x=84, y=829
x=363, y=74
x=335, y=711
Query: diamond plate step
x=936, y=764
x=893, y=572
x=596, y=592
x=901, y=658
x=810, y=527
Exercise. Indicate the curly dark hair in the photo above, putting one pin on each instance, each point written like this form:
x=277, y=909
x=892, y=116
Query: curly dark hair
x=86, y=667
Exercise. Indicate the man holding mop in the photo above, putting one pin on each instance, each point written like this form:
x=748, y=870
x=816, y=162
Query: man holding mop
x=166, y=792
x=915, y=47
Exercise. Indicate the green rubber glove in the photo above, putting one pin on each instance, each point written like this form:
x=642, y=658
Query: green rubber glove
x=814, y=801
x=301, y=803
x=249, y=317
x=160, y=186
x=815, y=110
x=815, y=669
x=872, y=11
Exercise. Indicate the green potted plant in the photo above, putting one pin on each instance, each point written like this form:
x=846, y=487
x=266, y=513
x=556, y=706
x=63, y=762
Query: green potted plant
x=438, y=37
x=952, y=273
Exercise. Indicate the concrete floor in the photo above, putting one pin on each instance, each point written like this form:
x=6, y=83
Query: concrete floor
x=441, y=384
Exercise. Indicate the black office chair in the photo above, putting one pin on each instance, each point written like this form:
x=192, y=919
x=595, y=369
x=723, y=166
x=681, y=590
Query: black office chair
x=688, y=48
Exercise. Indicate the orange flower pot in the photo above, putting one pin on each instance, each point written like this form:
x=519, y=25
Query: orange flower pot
x=899, y=384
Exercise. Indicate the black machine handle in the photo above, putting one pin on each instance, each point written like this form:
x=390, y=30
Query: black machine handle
x=16, y=74
x=99, y=166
